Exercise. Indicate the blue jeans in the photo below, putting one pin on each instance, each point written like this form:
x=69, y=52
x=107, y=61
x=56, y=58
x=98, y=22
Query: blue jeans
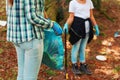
x=29, y=55
x=79, y=48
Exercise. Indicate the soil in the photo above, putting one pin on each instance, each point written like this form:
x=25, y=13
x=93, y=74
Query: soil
x=105, y=44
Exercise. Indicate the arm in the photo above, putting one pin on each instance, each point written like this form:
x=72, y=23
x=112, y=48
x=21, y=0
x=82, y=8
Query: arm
x=68, y=23
x=70, y=19
x=33, y=18
x=45, y=15
x=92, y=17
x=97, y=32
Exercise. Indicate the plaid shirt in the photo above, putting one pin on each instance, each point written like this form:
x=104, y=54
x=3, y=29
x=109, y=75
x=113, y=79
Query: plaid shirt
x=26, y=20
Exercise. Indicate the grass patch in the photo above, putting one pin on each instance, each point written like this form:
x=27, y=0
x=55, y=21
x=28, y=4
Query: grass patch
x=117, y=69
x=103, y=34
x=1, y=50
x=51, y=72
x=3, y=17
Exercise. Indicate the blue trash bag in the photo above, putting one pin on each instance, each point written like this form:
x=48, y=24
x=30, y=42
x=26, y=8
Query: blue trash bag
x=53, y=55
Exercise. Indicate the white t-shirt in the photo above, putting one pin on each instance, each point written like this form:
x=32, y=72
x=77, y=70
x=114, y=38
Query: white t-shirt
x=81, y=10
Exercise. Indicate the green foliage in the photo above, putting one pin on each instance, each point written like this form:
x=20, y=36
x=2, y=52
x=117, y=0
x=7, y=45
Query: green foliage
x=3, y=17
x=103, y=34
x=106, y=15
x=51, y=72
x=97, y=4
x=1, y=50
x=117, y=69
x=58, y=1
x=67, y=1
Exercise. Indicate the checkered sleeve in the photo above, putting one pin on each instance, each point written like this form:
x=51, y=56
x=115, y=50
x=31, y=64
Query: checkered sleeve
x=30, y=10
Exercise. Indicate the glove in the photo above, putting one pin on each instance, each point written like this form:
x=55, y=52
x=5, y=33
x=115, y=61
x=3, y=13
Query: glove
x=97, y=32
x=65, y=28
x=57, y=28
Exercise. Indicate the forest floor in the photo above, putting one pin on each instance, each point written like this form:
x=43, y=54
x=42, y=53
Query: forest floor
x=105, y=44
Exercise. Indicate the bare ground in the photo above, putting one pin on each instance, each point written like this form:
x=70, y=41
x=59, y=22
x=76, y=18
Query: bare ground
x=105, y=44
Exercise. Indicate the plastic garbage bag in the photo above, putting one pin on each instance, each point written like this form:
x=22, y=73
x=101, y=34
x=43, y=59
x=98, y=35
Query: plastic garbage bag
x=53, y=55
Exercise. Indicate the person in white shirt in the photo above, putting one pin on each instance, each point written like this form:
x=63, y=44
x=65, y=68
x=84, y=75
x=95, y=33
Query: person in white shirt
x=80, y=25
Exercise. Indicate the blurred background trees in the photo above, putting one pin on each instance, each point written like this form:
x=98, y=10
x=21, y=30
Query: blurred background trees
x=58, y=9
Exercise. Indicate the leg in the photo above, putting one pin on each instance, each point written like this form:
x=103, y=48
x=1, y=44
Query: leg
x=83, y=66
x=82, y=49
x=74, y=53
x=20, y=59
x=33, y=58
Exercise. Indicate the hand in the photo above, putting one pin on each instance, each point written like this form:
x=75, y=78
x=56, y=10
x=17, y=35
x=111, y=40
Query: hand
x=57, y=28
x=97, y=32
x=65, y=28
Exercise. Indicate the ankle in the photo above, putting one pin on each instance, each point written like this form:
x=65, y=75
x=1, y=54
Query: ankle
x=83, y=64
x=75, y=64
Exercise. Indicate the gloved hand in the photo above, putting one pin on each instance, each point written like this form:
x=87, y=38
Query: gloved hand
x=57, y=28
x=65, y=28
x=97, y=32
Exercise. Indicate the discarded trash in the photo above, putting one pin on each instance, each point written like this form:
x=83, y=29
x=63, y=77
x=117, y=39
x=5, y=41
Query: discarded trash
x=106, y=43
x=117, y=33
x=101, y=58
x=3, y=23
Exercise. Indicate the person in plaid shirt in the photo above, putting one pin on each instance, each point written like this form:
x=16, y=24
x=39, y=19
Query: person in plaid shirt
x=25, y=25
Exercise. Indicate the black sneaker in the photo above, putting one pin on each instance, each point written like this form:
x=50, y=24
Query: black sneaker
x=84, y=69
x=75, y=69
